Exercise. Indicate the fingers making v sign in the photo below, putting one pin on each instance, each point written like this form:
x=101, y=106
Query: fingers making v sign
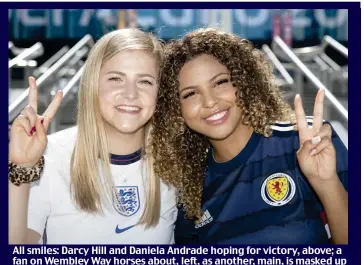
x=316, y=155
x=28, y=135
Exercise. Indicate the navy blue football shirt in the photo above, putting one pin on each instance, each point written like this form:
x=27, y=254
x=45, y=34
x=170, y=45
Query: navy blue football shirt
x=261, y=196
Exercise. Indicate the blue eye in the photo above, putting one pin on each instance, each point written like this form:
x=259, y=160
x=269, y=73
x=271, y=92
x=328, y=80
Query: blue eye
x=115, y=79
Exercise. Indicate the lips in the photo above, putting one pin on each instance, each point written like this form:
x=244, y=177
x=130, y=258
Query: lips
x=128, y=109
x=217, y=118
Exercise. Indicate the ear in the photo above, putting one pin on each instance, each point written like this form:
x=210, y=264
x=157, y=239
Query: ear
x=245, y=119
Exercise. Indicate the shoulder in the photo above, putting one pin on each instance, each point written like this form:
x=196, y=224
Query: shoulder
x=60, y=145
x=63, y=137
x=168, y=193
x=284, y=129
x=57, y=157
x=168, y=201
x=287, y=129
x=284, y=139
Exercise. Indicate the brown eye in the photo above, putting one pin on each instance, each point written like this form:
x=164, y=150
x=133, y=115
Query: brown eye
x=146, y=82
x=222, y=81
x=189, y=94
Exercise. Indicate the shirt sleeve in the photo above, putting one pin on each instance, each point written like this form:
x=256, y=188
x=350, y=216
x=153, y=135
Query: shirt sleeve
x=185, y=231
x=168, y=207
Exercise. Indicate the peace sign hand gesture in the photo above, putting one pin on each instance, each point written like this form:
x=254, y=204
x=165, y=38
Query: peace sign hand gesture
x=28, y=136
x=316, y=155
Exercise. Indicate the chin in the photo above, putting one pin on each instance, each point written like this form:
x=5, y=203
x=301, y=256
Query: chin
x=129, y=129
x=220, y=132
x=217, y=135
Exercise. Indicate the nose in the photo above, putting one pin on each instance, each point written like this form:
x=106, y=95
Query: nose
x=209, y=100
x=130, y=91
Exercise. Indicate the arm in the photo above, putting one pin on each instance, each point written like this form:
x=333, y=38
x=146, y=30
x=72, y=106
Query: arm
x=18, y=216
x=323, y=160
x=333, y=194
x=29, y=204
x=334, y=198
x=28, y=140
x=20, y=177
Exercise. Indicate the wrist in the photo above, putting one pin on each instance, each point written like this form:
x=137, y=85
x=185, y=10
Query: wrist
x=20, y=174
x=22, y=164
x=328, y=189
x=26, y=165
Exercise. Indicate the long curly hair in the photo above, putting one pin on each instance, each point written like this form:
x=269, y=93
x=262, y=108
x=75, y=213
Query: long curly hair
x=180, y=153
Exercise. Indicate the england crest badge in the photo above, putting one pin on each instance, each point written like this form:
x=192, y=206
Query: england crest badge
x=127, y=201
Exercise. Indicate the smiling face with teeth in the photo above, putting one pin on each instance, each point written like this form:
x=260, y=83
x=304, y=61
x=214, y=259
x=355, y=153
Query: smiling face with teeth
x=128, y=91
x=208, y=98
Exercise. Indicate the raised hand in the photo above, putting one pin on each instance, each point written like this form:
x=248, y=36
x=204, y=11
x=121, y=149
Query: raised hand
x=28, y=136
x=316, y=155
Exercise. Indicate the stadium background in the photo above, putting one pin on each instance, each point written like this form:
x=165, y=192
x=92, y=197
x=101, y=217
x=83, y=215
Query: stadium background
x=61, y=29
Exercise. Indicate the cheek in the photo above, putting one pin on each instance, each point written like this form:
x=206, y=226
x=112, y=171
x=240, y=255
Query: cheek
x=150, y=98
x=106, y=94
x=189, y=110
x=229, y=93
x=106, y=101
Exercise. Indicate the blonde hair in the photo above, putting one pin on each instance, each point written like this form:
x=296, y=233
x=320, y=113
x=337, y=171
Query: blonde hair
x=91, y=179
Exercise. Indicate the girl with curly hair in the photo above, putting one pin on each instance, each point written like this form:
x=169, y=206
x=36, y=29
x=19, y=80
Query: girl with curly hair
x=242, y=175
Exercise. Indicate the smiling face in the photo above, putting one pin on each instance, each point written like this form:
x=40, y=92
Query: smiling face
x=128, y=90
x=208, y=98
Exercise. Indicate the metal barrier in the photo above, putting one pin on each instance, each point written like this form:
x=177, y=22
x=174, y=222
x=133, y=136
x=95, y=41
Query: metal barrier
x=74, y=81
x=278, y=42
x=24, y=59
x=336, y=74
x=336, y=45
x=329, y=72
x=16, y=107
x=27, y=54
x=287, y=77
x=330, y=62
x=75, y=63
x=45, y=66
x=67, y=95
x=283, y=79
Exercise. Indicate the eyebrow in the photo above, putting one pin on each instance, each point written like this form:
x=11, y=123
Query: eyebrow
x=124, y=74
x=211, y=79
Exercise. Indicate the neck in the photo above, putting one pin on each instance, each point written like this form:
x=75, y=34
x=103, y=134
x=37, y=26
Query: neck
x=124, y=143
x=228, y=148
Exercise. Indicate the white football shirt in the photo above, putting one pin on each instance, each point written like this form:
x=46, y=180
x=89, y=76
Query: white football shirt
x=51, y=205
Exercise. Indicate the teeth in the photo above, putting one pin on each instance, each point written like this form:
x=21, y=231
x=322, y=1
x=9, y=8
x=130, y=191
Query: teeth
x=129, y=108
x=217, y=116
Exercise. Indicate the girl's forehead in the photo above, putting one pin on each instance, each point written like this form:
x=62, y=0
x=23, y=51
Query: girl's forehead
x=203, y=64
x=136, y=61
